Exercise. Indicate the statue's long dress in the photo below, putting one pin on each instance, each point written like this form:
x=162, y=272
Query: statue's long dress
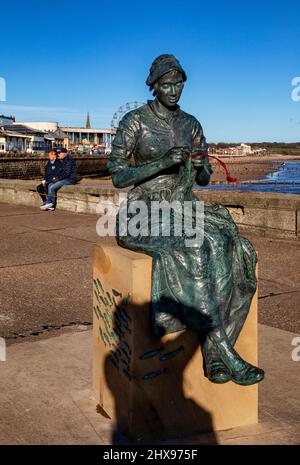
x=196, y=287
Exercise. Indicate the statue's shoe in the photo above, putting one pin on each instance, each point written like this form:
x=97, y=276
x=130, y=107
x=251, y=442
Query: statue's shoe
x=248, y=375
x=217, y=372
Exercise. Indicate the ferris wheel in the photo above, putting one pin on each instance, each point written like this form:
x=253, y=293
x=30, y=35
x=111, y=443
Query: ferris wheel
x=118, y=115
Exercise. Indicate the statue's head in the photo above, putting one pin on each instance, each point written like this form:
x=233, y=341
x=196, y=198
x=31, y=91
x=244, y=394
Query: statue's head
x=166, y=79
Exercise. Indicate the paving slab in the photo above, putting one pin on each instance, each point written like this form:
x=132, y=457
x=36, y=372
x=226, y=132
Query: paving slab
x=279, y=282
x=37, y=297
x=46, y=396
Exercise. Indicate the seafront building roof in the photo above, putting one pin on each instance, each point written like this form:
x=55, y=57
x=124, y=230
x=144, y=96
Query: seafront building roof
x=13, y=134
x=86, y=130
x=22, y=129
x=56, y=135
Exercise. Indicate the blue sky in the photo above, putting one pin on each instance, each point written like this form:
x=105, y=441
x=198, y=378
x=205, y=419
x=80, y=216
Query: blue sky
x=61, y=59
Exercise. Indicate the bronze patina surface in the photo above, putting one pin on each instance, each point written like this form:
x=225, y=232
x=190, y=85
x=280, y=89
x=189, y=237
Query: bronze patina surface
x=208, y=288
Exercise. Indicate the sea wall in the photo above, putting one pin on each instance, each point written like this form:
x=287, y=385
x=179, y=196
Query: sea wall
x=263, y=213
x=27, y=168
x=266, y=214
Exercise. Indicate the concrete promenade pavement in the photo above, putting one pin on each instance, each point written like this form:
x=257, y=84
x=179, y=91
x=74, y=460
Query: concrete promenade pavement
x=45, y=317
x=46, y=396
x=45, y=270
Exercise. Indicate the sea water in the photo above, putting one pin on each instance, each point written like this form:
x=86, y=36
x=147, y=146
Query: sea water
x=286, y=179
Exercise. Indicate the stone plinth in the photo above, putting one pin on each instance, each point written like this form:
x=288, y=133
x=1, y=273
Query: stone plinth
x=150, y=387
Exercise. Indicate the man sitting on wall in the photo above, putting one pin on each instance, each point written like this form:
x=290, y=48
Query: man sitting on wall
x=52, y=170
x=67, y=176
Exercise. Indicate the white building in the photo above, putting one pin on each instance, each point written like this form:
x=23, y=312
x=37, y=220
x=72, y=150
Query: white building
x=13, y=142
x=20, y=138
x=236, y=151
x=75, y=136
x=245, y=149
x=47, y=126
x=78, y=136
x=51, y=130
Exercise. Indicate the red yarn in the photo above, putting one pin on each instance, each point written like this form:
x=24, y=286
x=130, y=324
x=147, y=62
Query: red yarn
x=222, y=163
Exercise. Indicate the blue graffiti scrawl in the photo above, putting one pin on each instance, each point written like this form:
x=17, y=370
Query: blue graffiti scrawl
x=150, y=353
x=154, y=374
x=114, y=326
x=162, y=358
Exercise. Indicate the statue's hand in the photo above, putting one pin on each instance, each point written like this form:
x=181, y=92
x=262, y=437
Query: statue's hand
x=197, y=162
x=202, y=162
x=175, y=156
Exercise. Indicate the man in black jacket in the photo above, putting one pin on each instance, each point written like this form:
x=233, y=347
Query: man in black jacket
x=67, y=176
x=52, y=171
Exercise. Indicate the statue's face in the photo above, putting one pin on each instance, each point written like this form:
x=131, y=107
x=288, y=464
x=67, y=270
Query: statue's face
x=168, y=89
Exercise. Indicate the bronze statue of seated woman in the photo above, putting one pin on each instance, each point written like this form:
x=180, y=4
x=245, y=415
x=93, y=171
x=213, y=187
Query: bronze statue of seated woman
x=208, y=287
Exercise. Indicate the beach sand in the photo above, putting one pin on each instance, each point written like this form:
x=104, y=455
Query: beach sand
x=248, y=168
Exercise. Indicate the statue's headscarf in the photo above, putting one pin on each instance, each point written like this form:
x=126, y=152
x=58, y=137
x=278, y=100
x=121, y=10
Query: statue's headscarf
x=161, y=66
